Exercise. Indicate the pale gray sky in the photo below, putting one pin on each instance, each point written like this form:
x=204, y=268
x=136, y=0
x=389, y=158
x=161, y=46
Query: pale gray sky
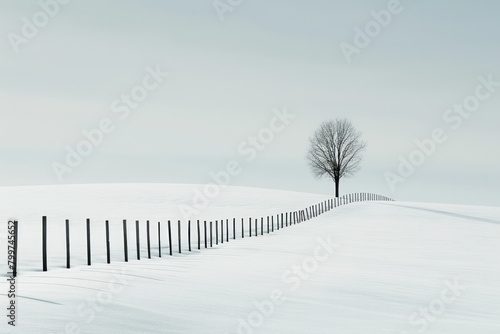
x=226, y=78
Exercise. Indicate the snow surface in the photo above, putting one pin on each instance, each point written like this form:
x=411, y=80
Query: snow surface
x=370, y=267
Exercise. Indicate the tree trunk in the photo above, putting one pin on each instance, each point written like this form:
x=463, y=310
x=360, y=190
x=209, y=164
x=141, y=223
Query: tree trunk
x=337, y=181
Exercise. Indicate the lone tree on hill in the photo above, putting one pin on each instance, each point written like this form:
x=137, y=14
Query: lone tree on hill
x=335, y=151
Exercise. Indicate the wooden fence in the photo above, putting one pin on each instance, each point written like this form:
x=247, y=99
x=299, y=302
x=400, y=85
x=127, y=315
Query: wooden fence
x=225, y=230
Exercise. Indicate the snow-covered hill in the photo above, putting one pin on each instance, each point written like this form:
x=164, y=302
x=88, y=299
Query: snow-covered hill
x=370, y=267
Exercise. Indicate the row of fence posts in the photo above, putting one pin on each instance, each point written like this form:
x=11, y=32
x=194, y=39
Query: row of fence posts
x=287, y=219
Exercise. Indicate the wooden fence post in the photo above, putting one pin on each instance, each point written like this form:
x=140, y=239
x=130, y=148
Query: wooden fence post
x=179, y=235
x=137, y=240
x=227, y=230
x=189, y=235
x=89, y=252
x=267, y=224
x=256, y=229
x=234, y=228
x=44, y=243
x=242, y=229
x=216, y=232
x=199, y=235
x=250, y=227
x=125, y=240
x=211, y=234
x=148, y=236
x=159, y=239
x=108, y=250
x=205, y=231
x=68, y=249
x=222, y=231
x=170, y=237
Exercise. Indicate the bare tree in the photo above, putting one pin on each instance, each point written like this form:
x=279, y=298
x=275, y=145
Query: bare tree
x=335, y=151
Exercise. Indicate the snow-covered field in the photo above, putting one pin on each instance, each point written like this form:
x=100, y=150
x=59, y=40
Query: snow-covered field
x=370, y=267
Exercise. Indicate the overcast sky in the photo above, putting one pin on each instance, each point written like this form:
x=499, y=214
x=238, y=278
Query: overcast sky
x=230, y=69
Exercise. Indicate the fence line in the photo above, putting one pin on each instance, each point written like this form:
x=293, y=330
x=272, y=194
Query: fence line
x=288, y=219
